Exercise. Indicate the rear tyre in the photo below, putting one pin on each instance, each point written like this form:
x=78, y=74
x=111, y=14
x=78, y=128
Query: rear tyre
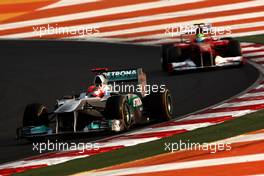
x=118, y=108
x=35, y=115
x=159, y=105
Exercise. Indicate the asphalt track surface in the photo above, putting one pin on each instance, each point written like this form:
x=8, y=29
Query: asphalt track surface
x=41, y=71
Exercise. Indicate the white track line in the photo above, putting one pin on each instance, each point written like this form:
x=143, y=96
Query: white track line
x=219, y=114
x=242, y=103
x=127, y=142
x=178, y=165
x=258, y=59
x=252, y=48
x=249, y=95
x=187, y=127
x=259, y=86
x=243, y=138
x=48, y=161
x=254, y=54
x=245, y=45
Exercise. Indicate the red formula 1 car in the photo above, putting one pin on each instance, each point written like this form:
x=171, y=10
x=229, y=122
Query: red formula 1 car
x=201, y=52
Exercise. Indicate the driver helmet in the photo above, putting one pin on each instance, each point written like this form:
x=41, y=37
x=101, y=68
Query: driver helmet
x=94, y=91
x=100, y=80
x=200, y=37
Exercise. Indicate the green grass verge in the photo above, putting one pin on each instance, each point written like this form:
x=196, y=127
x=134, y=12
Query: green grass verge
x=252, y=38
x=251, y=122
x=228, y=129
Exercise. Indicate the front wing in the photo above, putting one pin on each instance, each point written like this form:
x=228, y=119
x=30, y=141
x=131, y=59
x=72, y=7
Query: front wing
x=219, y=62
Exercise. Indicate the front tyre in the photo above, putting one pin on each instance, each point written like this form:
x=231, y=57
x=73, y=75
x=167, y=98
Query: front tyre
x=159, y=105
x=169, y=54
x=35, y=115
x=233, y=49
x=118, y=108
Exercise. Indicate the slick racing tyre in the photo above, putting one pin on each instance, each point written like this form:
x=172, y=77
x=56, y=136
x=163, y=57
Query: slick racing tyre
x=159, y=105
x=233, y=49
x=35, y=115
x=226, y=38
x=169, y=55
x=118, y=108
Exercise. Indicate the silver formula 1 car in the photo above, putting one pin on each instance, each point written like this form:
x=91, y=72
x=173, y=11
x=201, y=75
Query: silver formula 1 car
x=100, y=108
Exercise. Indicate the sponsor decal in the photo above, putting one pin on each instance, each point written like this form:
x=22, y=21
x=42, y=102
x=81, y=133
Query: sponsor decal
x=137, y=102
x=122, y=75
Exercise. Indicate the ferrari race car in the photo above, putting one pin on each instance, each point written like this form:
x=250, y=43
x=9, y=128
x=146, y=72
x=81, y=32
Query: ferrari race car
x=201, y=52
x=100, y=108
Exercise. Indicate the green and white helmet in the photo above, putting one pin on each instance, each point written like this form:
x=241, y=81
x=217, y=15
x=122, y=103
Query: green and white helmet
x=200, y=37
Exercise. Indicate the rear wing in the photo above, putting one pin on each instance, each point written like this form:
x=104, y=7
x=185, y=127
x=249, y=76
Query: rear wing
x=126, y=75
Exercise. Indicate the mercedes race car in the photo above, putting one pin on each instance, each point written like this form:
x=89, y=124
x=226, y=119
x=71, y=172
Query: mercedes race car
x=100, y=108
x=201, y=52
